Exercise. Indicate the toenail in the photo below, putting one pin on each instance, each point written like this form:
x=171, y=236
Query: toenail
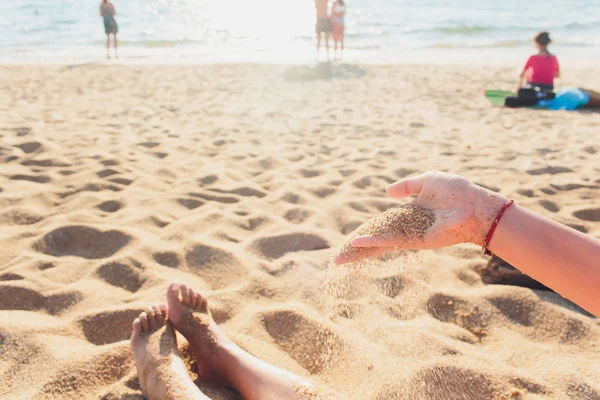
x=175, y=287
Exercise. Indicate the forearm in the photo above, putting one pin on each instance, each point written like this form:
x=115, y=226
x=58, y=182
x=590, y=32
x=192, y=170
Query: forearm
x=561, y=258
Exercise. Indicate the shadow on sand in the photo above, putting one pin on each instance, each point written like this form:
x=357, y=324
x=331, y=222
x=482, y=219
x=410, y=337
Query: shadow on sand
x=499, y=272
x=323, y=71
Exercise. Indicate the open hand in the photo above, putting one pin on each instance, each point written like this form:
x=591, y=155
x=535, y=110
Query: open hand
x=463, y=211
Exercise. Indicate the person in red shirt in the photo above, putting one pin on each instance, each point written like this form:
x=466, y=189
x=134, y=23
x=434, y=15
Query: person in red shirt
x=541, y=69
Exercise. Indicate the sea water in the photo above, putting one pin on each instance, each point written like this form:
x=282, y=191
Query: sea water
x=283, y=30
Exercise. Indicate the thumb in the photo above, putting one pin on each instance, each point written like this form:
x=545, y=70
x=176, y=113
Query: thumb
x=406, y=187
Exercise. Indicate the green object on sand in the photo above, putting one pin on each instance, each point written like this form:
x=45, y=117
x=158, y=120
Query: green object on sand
x=497, y=97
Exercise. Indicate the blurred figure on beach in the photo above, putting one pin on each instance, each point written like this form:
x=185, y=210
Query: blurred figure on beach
x=323, y=25
x=541, y=69
x=338, y=12
x=107, y=12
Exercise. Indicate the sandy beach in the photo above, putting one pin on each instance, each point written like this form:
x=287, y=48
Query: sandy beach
x=116, y=180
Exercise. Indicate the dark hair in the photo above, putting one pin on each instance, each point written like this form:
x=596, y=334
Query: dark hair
x=542, y=38
x=341, y=2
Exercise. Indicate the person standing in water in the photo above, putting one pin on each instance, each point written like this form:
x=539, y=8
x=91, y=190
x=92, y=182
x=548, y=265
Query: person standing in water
x=338, y=11
x=541, y=69
x=323, y=24
x=107, y=12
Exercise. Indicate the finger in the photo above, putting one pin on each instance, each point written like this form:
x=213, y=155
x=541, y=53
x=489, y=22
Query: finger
x=374, y=241
x=406, y=187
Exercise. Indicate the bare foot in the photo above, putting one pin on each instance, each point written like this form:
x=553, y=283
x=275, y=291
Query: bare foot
x=190, y=316
x=221, y=360
x=161, y=372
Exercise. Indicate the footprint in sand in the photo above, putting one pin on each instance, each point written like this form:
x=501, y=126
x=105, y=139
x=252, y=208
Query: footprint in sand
x=19, y=216
x=114, y=362
x=272, y=247
x=297, y=215
x=588, y=214
x=31, y=178
x=526, y=192
x=551, y=170
x=22, y=298
x=550, y=205
x=149, y=145
x=30, y=147
x=128, y=277
x=307, y=341
x=121, y=181
x=190, y=204
x=442, y=380
x=94, y=326
x=219, y=267
x=9, y=276
x=167, y=258
x=107, y=172
x=82, y=241
x=45, y=162
x=110, y=206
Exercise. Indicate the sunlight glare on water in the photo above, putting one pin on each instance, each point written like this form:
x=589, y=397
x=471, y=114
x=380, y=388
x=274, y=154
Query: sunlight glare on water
x=260, y=30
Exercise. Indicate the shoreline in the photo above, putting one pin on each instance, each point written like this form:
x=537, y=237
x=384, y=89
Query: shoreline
x=138, y=55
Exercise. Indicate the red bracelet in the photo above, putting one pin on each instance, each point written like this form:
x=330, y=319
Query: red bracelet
x=488, y=237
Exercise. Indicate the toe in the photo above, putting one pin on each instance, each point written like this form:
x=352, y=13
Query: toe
x=197, y=301
x=203, y=304
x=193, y=298
x=159, y=318
x=137, y=328
x=151, y=318
x=175, y=308
x=144, y=322
x=185, y=294
x=164, y=310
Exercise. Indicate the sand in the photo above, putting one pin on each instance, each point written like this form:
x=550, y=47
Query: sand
x=407, y=224
x=117, y=180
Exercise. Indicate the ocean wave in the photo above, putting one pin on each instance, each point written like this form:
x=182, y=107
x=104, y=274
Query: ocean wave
x=474, y=30
x=463, y=30
x=583, y=25
x=593, y=42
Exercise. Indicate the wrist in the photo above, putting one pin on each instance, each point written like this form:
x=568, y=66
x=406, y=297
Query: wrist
x=484, y=215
